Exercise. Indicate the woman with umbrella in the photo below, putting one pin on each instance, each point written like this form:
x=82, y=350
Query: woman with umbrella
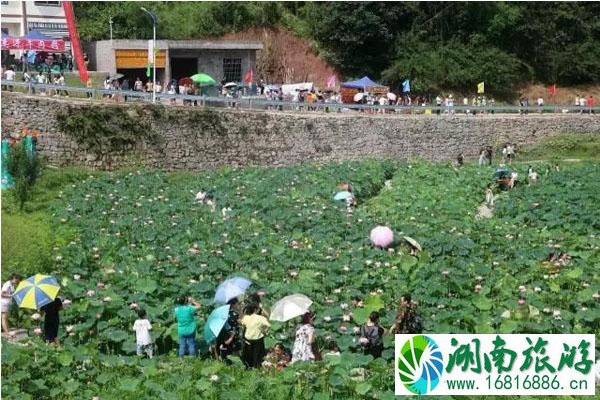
x=39, y=292
x=305, y=340
x=228, y=339
x=51, y=320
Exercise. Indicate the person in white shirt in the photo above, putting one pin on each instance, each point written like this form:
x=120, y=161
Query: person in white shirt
x=8, y=289
x=143, y=341
x=138, y=86
x=9, y=75
x=41, y=79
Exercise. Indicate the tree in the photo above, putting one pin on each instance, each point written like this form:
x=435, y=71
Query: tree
x=24, y=166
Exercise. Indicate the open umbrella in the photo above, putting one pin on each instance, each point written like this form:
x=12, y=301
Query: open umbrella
x=115, y=77
x=203, y=79
x=412, y=242
x=290, y=307
x=230, y=85
x=231, y=288
x=382, y=236
x=185, y=81
x=36, y=291
x=391, y=96
x=359, y=96
x=342, y=195
x=215, y=323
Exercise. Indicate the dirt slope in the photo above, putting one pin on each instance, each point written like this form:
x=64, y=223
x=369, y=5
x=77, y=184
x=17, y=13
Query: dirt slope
x=286, y=58
x=564, y=95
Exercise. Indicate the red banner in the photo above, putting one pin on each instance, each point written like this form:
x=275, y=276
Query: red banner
x=552, y=90
x=75, y=45
x=249, y=76
x=11, y=43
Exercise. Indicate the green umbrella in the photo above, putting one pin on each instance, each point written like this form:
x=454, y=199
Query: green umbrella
x=203, y=79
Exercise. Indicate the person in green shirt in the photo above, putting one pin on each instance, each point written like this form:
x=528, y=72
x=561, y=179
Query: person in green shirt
x=185, y=314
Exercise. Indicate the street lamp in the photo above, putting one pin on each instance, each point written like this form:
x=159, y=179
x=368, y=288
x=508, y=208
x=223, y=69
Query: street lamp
x=153, y=52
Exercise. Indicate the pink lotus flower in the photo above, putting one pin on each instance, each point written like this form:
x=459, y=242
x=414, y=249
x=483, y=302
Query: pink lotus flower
x=521, y=302
x=66, y=302
x=100, y=285
x=37, y=331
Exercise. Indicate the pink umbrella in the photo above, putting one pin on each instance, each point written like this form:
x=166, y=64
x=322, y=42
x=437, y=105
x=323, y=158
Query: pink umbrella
x=382, y=236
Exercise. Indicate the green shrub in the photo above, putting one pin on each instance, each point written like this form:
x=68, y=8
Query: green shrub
x=25, y=168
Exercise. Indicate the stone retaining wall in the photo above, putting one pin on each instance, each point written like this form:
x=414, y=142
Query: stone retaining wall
x=191, y=138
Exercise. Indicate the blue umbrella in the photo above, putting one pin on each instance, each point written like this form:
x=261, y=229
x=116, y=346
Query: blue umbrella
x=231, y=288
x=342, y=195
x=215, y=323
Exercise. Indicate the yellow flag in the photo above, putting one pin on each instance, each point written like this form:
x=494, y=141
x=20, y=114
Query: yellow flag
x=480, y=88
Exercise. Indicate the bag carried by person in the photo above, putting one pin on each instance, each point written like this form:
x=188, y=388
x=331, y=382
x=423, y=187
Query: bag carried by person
x=374, y=336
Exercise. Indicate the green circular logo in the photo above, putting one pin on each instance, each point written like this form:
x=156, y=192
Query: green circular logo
x=420, y=364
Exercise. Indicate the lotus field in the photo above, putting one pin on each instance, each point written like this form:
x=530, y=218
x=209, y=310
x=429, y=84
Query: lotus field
x=140, y=238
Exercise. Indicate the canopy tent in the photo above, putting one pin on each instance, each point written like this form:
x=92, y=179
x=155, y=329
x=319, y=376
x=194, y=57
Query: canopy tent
x=350, y=89
x=34, y=40
x=362, y=83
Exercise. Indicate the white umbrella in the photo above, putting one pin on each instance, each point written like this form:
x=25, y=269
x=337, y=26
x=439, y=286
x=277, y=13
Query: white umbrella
x=289, y=307
x=391, y=96
x=230, y=85
x=359, y=96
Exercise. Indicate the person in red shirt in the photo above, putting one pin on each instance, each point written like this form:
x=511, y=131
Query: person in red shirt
x=591, y=102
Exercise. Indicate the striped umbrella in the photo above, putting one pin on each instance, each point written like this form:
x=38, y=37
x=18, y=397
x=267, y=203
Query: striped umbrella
x=36, y=291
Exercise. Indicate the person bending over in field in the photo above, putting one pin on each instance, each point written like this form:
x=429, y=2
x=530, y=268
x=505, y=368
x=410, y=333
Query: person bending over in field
x=532, y=176
x=371, y=336
x=277, y=357
x=407, y=318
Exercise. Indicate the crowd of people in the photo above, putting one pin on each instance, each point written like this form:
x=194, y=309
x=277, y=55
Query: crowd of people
x=248, y=325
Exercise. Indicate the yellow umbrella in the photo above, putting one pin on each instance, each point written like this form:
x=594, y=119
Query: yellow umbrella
x=36, y=291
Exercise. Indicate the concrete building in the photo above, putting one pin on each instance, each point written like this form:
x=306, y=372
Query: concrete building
x=21, y=17
x=175, y=58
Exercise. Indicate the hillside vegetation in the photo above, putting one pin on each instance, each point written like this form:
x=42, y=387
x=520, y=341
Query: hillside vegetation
x=439, y=46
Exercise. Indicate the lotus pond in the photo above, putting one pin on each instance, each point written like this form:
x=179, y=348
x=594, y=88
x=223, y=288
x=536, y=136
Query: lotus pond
x=139, y=237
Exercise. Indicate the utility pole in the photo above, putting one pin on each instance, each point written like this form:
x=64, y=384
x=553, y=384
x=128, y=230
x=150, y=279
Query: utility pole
x=153, y=52
x=110, y=21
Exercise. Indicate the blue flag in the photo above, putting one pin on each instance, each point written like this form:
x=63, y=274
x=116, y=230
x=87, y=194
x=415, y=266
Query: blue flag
x=31, y=57
x=406, y=86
